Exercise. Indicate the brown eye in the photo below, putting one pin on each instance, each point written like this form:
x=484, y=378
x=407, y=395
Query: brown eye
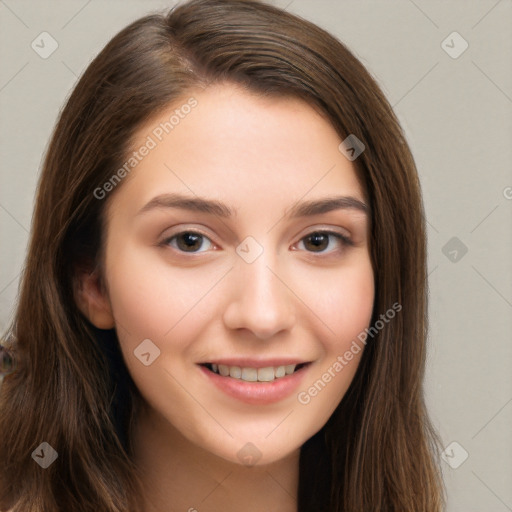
x=319, y=241
x=187, y=241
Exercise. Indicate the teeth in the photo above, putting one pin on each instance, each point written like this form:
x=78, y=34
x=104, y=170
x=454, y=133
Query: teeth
x=290, y=368
x=267, y=374
x=235, y=371
x=223, y=370
x=250, y=374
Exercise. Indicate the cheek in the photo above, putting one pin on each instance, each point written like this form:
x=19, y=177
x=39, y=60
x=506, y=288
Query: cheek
x=341, y=299
x=355, y=300
x=346, y=308
x=151, y=300
x=161, y=304
x=354, y=306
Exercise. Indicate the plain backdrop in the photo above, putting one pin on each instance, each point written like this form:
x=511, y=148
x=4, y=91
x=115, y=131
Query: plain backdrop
x=455, y=104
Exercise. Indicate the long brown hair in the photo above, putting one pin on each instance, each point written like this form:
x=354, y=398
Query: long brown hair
x=378, y=451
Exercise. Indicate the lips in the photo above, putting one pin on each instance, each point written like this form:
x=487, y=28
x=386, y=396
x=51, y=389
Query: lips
x=259, y=384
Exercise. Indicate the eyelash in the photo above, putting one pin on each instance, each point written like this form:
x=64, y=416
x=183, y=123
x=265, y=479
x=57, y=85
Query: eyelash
x=344, y=240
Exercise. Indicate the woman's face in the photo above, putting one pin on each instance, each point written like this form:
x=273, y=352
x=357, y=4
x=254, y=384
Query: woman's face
x=220, y=256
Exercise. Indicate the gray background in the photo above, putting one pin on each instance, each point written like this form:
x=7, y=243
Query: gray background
x=457, y=117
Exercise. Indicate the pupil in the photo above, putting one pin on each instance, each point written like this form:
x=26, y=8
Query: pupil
x=192, y=241
x=319, y=239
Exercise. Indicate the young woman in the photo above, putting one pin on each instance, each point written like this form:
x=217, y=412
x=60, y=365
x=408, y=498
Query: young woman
x=224, y=298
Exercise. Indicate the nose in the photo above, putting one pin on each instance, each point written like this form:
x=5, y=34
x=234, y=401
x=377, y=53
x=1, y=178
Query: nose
x=260, y=300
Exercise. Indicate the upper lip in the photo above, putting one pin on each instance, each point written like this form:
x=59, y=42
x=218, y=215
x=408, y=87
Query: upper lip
x=247, y=362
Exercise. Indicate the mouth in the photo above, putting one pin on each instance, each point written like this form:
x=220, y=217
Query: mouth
x=256, y=381
x=253, y=374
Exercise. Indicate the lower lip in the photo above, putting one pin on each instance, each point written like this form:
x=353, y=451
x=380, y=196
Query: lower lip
x=257, y=393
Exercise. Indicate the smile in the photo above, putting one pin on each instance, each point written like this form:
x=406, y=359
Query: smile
x=250, y=374
x=256, y=382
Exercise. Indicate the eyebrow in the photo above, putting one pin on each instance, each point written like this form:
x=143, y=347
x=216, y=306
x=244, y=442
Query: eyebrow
x=213, y=207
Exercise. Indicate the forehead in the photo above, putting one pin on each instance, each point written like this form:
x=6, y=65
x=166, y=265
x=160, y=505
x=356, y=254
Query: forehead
x=241, y=148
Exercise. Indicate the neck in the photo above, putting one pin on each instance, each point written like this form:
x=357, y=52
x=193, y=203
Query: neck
x=176, y=471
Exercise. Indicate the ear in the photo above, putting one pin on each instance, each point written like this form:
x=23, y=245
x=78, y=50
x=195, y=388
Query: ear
x=92, y=299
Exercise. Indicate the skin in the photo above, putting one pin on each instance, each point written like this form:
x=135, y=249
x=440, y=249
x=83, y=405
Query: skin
x=259, y=156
